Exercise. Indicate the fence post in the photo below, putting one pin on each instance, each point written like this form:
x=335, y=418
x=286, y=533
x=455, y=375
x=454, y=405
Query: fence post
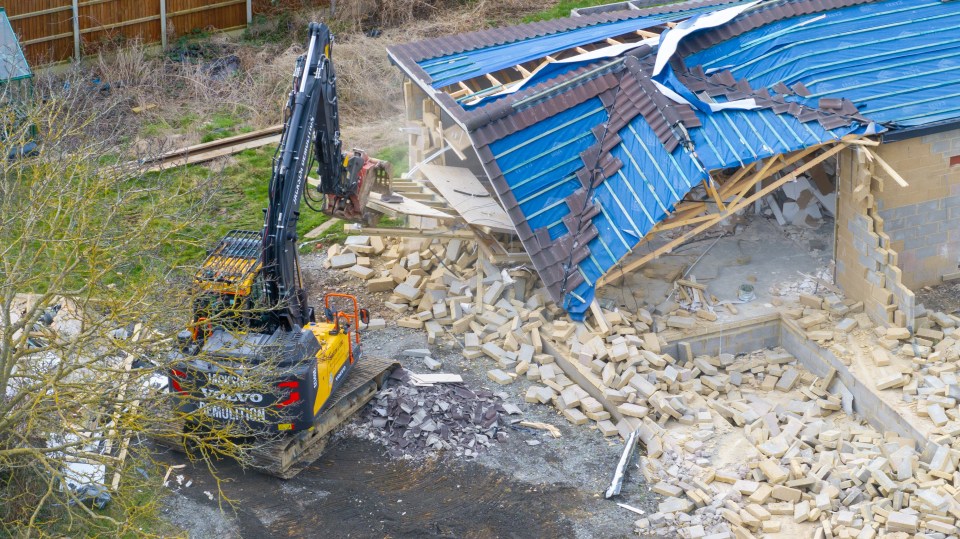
x=163, y=24
x=249, y=12
x=76, y=29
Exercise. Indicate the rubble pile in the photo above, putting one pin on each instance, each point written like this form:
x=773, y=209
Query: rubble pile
x=805, y=201
x=811, y=472
x=805, y=284
x=413, y=421
x=805, y=464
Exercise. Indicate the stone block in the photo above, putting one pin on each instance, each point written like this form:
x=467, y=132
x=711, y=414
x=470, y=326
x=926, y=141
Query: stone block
x=361, y=272
x=681, y=322
x=500, y=377
x=898, y=334
x=898, y=521
x=787, y=494
x=381, y=284
x=407, y=292
x=343, y=261
x=633, y=410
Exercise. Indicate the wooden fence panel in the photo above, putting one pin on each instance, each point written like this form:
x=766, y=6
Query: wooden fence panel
x=112, y=21
x=186, y=16
x=45, y=28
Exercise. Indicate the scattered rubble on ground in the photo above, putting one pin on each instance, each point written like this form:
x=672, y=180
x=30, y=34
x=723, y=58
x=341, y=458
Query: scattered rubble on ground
x=737, y=445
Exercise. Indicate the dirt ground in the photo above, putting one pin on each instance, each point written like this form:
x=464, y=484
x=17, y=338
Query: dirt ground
x=944, y=297
x=513, y=489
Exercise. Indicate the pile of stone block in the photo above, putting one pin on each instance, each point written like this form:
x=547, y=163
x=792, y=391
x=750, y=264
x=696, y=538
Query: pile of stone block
x=812, y=462
x=802, y=202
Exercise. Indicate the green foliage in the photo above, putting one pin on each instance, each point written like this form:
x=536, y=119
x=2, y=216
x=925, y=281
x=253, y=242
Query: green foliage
x=562, y=9
x=398, y=156
x=154, y=128
x=187, y=120
x=221, y=125
x=389, y=222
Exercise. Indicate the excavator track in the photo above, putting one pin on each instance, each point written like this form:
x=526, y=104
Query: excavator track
x=287, y=456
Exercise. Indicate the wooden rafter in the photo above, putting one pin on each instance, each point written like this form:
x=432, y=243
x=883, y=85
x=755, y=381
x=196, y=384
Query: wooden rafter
x=712, y=191
x=740, y=202
x=765, y=171
x=494, y=80
x=508, y=75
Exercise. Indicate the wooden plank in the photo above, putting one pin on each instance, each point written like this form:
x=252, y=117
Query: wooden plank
x=316, y=232
x=599, y=318
x=466, y=195
x=410, y=233
x=888, y=169
x=121, y=398
x=406, y=206
x=499, y=255
x=691, y=284
x=202, y=157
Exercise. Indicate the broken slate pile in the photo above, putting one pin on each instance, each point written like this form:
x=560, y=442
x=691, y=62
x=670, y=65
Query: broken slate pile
x=414, y=421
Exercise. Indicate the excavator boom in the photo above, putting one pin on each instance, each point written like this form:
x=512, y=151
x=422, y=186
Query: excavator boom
x=255, y=356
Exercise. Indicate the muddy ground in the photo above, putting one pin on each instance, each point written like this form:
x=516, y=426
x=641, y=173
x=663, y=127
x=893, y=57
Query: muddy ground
x=514, y=489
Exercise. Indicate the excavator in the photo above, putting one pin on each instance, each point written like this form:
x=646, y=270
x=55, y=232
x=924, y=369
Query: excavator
x=255, y=358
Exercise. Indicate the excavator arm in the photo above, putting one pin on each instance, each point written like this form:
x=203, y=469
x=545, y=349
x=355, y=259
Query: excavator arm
x=311, y=134
x=346, y=179
x=310, y=123
x=329, y=148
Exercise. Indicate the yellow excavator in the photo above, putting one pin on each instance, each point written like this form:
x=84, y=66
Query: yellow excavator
x=255, y=356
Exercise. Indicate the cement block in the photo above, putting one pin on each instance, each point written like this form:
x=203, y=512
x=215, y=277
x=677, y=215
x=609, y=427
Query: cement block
x=343, y=261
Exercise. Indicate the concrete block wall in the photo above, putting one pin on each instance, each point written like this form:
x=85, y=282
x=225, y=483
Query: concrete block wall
x=923, y=220
x=867, y=261
x=732, y=338
x=866, y=402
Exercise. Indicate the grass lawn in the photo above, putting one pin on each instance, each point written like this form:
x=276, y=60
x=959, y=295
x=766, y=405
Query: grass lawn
x=237, y=204
x=562, y=9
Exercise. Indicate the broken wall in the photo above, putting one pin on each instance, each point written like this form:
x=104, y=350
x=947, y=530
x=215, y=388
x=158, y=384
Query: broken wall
x=430, y=128
x=867, y=263
x=923, y=220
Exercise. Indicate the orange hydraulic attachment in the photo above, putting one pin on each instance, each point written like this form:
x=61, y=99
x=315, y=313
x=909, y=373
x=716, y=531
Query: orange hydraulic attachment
x=350, y=320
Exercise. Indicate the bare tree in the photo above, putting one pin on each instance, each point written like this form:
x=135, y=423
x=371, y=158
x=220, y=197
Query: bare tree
x=89, y=309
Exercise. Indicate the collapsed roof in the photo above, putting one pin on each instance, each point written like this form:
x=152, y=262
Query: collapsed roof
x=588, y=151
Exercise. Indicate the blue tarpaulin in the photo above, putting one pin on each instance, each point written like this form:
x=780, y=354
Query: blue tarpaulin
x=898, y=61
x=453, y=68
